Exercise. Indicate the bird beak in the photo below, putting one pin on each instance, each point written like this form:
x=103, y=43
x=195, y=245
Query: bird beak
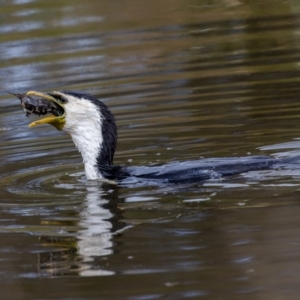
x=57, y=121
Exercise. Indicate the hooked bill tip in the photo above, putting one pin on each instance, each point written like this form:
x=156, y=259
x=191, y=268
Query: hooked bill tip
x=11, y=93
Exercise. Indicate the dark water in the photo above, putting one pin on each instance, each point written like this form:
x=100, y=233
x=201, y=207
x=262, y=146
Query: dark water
x=185, y=79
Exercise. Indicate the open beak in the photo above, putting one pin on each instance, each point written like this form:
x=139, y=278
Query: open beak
x=58, y=121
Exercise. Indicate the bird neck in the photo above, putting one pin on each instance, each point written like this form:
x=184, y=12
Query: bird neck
x=96, y=139
x=89, y=144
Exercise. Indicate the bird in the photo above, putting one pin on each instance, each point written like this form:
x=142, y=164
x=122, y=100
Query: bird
x=93, y=130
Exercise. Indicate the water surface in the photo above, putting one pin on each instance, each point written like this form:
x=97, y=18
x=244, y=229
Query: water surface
x=185, y=79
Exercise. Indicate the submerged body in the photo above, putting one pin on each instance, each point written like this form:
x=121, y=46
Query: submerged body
x=93, y=130
x=203, y=169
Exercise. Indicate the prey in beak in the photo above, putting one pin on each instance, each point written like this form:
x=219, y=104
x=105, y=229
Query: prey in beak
x=38, y=103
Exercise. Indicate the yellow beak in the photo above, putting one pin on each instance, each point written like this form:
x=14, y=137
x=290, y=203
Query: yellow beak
x=57, y=121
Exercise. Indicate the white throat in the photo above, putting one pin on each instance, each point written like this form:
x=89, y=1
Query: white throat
x=84, y=126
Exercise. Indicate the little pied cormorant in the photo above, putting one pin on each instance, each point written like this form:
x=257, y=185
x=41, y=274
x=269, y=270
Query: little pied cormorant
x=94, y=132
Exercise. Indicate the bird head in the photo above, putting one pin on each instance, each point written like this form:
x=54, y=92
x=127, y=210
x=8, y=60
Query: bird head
x=72, y=108
x=88, y=121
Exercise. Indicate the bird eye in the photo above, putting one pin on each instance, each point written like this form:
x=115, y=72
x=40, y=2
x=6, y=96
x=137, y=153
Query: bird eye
x=61, y=99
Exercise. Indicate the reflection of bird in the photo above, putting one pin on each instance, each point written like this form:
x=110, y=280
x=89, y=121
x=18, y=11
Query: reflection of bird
x=94, y=132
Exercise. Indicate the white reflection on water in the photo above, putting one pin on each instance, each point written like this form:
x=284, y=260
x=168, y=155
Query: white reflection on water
x=18, y=2
x=288, y=145
x=21, y=27
x=96, y=238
